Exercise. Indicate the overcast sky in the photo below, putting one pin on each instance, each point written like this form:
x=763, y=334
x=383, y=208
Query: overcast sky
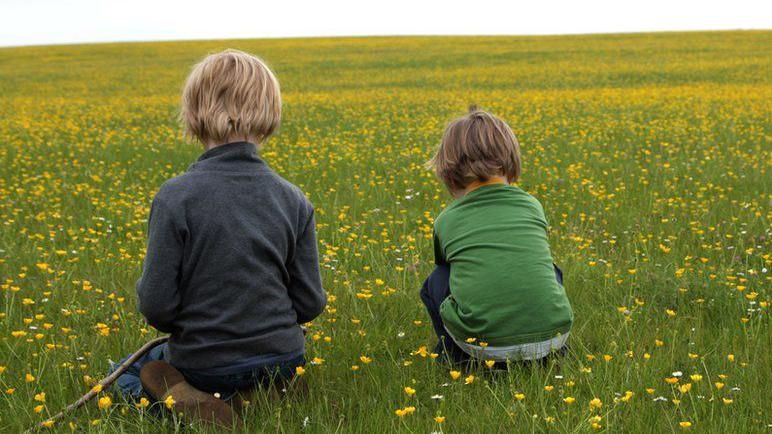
x=26, y=22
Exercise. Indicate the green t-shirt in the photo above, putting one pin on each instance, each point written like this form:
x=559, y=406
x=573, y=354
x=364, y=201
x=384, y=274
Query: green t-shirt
x=503, y=289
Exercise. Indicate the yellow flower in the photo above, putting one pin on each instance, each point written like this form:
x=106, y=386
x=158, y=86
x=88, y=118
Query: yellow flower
x=409, y=391
x=549, y=388
x=47, y=424
x=421, y=351
x=143, y=402
x=719, y=385
x=97, y=388
x=569, y=400
x=685, y=424
x=169, y=402
x=730, y=357
x=696, y=377
x=400, y=412
x=39, y=408
x=685, y=388
x=595, y=422
x=455, y=375
x=727, y=401
x=595, y=403
x=365, y=359
x=607, y=357
x=490, y=363
x=300, y=370
x=469, y=379
x=104, y=402
x=439, y=419
x=40, y=397
x=519, y=396
x=670, y=312
x=29, y=378
x=671, y=380
x=628, y=395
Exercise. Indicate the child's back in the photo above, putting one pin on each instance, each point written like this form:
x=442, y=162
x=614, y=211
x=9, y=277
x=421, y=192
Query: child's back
x=232, y=268
x=502, y=280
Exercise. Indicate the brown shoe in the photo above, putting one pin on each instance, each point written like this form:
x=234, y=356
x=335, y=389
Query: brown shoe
x=162, y=380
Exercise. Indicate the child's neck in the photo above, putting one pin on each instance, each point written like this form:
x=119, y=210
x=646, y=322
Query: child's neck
x=477, y=184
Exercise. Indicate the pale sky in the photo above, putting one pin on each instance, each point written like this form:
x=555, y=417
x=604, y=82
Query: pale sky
x=32, y=22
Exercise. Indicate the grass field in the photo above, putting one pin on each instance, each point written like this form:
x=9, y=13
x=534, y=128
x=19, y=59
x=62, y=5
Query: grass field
x=649, y=152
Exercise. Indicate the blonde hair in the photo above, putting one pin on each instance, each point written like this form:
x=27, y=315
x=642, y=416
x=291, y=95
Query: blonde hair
x=476, y=147
x=230, y=94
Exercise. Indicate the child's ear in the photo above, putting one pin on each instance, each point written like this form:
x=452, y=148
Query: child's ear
x=511, y=178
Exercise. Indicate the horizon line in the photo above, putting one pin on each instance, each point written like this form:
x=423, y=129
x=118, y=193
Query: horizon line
x=362, y=36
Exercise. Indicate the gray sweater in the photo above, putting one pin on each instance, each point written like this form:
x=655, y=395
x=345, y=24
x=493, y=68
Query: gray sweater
x=232, y=267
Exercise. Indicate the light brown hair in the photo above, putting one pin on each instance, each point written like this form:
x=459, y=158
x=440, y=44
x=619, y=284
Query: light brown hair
x=476, y=147
x=231, y=94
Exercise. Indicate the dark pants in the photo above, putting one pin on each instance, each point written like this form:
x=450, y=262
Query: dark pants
x=226, y=385
x=434, y=291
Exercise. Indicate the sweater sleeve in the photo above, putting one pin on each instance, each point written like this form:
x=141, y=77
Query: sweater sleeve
x=157, y=290
x=305, y=282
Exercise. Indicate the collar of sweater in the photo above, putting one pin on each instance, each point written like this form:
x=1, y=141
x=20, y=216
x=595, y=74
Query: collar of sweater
x=236, y=156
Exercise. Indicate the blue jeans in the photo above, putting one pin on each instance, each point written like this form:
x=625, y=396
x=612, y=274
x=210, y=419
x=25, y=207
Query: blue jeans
x=434, y=291
x=227, y=385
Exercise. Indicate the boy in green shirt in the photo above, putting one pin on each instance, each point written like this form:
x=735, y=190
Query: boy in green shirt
x=495, y=293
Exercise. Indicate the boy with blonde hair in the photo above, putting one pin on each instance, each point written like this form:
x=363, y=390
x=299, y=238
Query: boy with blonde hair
x=495, y=293
x=232, y=269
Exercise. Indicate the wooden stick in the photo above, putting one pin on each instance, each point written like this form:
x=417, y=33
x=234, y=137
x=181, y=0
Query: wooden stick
x=107, y=381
